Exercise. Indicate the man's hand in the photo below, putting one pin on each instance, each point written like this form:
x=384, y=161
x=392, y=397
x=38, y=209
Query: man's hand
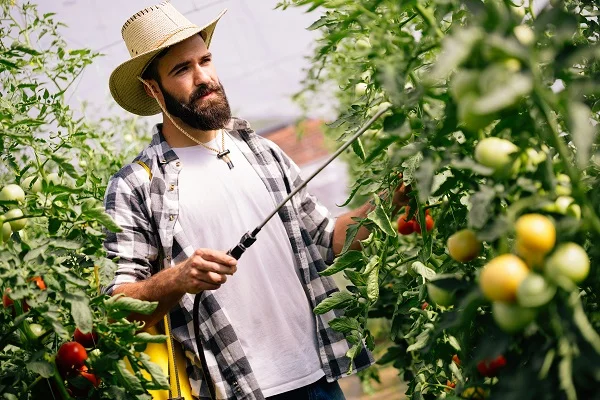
x=206, y=269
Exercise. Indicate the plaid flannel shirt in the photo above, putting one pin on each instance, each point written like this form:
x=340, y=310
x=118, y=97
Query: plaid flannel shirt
x=147, y=211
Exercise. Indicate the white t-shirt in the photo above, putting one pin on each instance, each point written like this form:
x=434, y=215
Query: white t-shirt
x=264, y=299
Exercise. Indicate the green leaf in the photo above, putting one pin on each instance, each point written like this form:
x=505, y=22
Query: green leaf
x=582, y=131
x=129, y=380
x=373, y=285
x=351, y=233
x=420, y=343
x=344, y=324
x=41, y=367
x=145, y=337
x=337, y=300
x=159, y=378
x=581, y=321
x=356, y=278
x=381, y=219
x=423, y=270
x=373, y=262
x=99, y=215
x=506, y=95
x=358, y=148
x=80, y=310
x=352, y=258
x=470, y=164
x=121, y=303
x=455, y=50
x=382, y=145
x=410, y=166
x=424, y=178
x=324, y=20
x=480, y=207
x=65, y=244
x=393, y=123
x=354, y=351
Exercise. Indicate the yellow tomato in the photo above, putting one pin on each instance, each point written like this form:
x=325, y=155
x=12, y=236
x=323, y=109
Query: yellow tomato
x=536, y=233
x=474, y=393
x=501, y=277
x=463, y=246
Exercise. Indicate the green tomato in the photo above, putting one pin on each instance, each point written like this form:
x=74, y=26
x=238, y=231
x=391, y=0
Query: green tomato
x=569, y=260
x=29, y=184
x=6, y=231
x=17, y=224
x=360, y=88
x=496, y=153
x=440, y=296
x=524, y=34
x=37, y=330
x=362, y=45
x=12, y=192
x=54, y=178
x=535, y=291
x=512, y=318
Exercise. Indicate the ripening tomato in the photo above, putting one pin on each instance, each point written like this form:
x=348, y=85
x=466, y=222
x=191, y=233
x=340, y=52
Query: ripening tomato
x=570, y=260
x=87, y=340
x=405, y=227
x=463, y=246
x=79, y=387
x=70, y=356
x=474, y=393
x=500, y=278
x=535, y=233
x=424, y=305
x=7, y=301
x=512, y=318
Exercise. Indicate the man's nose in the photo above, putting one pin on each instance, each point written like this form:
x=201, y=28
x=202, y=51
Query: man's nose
x=201, y=75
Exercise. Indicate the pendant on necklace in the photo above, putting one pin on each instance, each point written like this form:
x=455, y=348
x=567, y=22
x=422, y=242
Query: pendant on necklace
x=224, y=156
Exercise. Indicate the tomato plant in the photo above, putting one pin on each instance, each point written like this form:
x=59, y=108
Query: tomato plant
x=493, y=123
x=55, y=167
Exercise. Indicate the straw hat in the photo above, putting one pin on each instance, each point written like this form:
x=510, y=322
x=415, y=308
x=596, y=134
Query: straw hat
x=146, y=34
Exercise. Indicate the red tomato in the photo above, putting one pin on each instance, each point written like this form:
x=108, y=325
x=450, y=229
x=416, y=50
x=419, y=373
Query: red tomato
x=405, y=227
x=489, y=368
x=424, y=305
x=70, y=356
x=87, y=340
x=429, y=223
x=7, y=301
x=456, y=360
x=39, y=282
x=81, y=390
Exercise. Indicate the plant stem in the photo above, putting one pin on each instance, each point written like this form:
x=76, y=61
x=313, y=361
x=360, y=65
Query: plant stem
x=571, y=170
x=427, y=16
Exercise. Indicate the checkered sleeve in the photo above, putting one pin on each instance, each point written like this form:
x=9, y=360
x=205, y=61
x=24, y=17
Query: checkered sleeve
x=134, y=248
x=315, y=216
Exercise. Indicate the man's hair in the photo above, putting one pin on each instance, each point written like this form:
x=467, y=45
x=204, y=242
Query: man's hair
x=151, y=71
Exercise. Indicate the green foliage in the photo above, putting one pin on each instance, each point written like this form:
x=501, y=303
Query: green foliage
x=456, y=72
x=63, y=163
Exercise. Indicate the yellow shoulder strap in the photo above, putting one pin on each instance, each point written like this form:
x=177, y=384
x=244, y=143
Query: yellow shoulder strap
x=146, y=167
x=169, y=361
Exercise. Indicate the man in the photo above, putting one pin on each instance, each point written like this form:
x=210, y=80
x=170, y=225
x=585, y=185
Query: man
x=205, y=179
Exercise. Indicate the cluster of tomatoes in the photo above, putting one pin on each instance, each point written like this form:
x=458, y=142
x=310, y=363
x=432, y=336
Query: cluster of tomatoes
x=406, y=226
x=70, y=361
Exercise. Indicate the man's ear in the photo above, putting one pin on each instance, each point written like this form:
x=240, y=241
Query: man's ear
x=151, y=83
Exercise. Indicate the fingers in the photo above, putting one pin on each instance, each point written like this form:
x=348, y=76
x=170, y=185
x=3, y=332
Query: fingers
x=217, y=256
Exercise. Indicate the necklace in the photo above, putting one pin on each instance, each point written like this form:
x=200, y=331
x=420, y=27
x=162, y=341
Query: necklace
x=221, y=154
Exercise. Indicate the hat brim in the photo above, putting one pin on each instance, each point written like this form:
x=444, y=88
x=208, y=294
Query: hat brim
x=126, y=88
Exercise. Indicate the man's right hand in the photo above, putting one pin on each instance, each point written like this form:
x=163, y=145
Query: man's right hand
x=206, y=269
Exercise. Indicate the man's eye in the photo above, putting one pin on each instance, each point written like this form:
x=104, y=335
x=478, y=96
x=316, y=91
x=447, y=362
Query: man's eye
x=206, y=60
x=180, y=70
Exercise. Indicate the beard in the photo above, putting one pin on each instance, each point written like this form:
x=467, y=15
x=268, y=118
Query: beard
x=209, y=114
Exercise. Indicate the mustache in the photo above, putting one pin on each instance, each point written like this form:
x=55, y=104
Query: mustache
x=203, y=90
